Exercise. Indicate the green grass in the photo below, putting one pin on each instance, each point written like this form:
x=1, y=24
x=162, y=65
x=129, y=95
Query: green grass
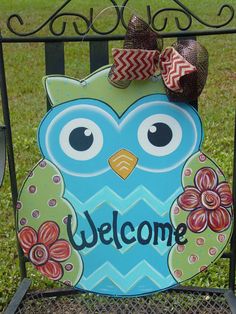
x=25, y=69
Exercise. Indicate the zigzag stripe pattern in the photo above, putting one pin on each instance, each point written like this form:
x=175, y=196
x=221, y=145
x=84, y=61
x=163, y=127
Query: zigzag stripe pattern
x=133, y=64
x=123, y=205
x=173, y=67
x=125, y=282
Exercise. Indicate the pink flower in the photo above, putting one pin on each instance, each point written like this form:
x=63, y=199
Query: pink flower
x=207, y=202
x=44, y=249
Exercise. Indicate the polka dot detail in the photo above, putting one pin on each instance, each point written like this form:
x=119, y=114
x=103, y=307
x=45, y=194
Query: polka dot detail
x=42, y=164
x=52, y=202
x=23, y=221
x=65, y=220
x=176, y=210
x=187, y=172
x=178, y=273
x=68, y=283
x=202, y=268
x=69, y=267
x=32, y=189
x=193, y=259
x=19, y=205
x=56, y=179
x=212, y=251
x=35, y=213
x=200, y=241
x=202, y=157
x=221, y=237
x=180, y=248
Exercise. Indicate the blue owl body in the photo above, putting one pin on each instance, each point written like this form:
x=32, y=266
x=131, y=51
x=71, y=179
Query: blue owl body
x=80, y=137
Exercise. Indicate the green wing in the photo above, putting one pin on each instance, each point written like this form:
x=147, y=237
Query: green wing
x=203, y=247
x=41, y=200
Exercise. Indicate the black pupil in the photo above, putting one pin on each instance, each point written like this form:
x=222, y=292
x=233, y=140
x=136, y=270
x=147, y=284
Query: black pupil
x=81, y=139
x=160, y=134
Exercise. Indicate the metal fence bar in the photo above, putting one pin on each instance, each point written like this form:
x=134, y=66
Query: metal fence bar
x=98, y=54
x=89, y=38
x=10, y=150
x=54, y=60
x=2, y=153
x=18, y=296
x=233, y=240
x=59, y=292
x=230, y=297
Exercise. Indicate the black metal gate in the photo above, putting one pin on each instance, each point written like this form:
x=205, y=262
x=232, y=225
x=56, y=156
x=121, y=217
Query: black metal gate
x=178, y=300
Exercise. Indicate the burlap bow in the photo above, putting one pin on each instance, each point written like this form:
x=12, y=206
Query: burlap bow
x=183, y=66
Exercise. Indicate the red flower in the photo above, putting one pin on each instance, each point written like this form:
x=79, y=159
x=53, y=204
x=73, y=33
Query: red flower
x=207, y=202
x=44, y=249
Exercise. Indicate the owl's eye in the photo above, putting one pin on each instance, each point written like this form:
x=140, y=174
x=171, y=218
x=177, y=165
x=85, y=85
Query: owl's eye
x=159, y=135
x=81, y=139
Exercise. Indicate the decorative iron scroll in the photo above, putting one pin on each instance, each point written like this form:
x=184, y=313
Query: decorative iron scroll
x=152, y=18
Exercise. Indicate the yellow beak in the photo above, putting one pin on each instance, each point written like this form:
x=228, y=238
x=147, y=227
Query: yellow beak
x=123, y=163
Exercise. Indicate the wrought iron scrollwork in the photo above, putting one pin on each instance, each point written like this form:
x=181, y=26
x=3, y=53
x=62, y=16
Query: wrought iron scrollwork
x=152, y=18
x=63, y=27
x=19, y=19
x=177, y=22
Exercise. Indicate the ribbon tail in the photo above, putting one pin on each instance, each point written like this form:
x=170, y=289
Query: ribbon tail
x=112, y=78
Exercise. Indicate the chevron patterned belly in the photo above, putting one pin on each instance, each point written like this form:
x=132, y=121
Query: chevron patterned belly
x=125, y=242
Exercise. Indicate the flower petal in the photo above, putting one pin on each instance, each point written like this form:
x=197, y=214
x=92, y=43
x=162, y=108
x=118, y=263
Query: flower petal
x=206, y=179
x=52, y=270
x=219, y=219
x=27, y=238
x=60, y=251
x=223, y=189
x=190, y=199
x=48, y=233
x=197, y=220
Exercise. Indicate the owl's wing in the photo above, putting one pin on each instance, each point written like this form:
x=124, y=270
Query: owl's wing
x=205, y=207
x=41, y=207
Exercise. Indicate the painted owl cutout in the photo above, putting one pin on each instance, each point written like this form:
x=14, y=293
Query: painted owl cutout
x=123, y=202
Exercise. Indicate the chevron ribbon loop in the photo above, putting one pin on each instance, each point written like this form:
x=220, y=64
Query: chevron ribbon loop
x=173, y=67
x=134, y=64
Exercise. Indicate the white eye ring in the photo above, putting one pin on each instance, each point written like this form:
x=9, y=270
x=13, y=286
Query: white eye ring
x=148, y=125
x=92, y=129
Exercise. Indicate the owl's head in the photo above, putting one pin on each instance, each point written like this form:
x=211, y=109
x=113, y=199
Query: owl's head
x=86, y=137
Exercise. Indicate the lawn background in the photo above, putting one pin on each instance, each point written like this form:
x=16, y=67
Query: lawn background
x=25, y=69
